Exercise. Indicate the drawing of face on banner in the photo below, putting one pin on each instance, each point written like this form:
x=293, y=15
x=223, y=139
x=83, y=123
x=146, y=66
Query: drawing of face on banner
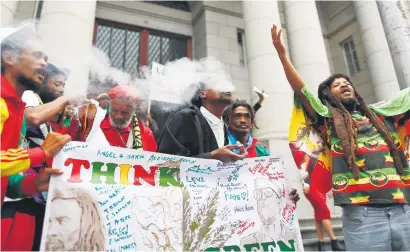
x=75, y=221
x=267, y=196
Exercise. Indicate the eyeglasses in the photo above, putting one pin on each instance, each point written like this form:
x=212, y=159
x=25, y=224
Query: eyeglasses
x=258, y=193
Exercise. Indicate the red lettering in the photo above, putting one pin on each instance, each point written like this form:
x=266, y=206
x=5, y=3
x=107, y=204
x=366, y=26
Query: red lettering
x=75, y=171
x=140, y=172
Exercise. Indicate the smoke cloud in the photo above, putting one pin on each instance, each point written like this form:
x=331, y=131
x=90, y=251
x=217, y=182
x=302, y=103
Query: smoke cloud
x=92, y=73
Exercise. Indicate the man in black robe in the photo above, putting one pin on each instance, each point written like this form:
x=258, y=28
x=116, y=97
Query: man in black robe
x=198, y=130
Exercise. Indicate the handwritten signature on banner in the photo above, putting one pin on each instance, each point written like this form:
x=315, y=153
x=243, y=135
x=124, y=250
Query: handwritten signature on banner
x=264, y=170
x=197, y=169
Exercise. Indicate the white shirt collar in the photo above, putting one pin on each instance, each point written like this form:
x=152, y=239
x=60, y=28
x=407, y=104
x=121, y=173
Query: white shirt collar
x=210, y=117
x=216, y=125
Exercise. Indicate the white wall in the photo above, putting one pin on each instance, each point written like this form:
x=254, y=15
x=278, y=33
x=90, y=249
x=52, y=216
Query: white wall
x=222, y=20
x=147, y=15
x=339, y=22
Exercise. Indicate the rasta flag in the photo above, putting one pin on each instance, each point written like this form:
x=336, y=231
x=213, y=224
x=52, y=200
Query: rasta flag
x=310, y=153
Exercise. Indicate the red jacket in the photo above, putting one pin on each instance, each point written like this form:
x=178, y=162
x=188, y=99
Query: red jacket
x=17, y=226
x=13, y=159
x=113, y=137
x=76, y=129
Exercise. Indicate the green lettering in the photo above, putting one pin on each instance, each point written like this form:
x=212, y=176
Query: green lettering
x=212, y=249
x=266, y=246
x=232, y=248
x=98, y=172
x=284, y=247
x=166, y=177
x=249, y=247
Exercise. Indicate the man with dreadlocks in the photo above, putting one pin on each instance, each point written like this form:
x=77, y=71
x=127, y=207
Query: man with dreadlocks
x=368, y=150
x=239, y=118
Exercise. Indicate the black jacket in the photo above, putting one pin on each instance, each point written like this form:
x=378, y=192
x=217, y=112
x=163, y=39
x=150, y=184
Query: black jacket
x=182, y=134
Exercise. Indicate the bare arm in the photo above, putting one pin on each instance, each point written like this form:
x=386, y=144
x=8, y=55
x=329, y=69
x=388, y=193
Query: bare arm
x=45, y=112
x=292, y=75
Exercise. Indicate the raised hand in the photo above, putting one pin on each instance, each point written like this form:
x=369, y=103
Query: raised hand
x=277, y=40
x=261, y=97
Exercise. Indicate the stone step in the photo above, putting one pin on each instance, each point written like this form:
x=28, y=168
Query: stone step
x=310, y=232
x=311, y=244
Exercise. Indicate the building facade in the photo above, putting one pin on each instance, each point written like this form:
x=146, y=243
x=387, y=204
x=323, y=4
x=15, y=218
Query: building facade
x=322, y=38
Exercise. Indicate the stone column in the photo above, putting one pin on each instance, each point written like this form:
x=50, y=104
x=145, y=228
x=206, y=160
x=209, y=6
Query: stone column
x=66, y=28
x=308, y=52
x=8, y=12
x=265, y=69
x=266, y=72
x=396, y=26
x=378, y=59
x=306, y=44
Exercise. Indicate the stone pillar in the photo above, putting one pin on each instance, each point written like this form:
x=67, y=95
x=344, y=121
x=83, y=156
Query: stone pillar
x=308, y=52
x=8, y=12
x=266, y=72
x=66, y=28
x=306, y=44
x=396, y=26
x=378, y=59
x=265, y=69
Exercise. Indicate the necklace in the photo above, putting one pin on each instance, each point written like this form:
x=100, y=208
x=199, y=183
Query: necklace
x=119, y=135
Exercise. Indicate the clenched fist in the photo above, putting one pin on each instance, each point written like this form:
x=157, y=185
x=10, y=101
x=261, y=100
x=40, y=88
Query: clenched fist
x=53, y=143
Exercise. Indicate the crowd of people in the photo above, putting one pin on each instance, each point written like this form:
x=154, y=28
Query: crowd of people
x=38, y=119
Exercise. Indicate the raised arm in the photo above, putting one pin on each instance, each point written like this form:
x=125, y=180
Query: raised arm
x=292, y=75
x=46, y=112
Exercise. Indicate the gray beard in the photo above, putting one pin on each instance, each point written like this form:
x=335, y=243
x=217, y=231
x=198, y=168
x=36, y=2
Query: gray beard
x=120, y=126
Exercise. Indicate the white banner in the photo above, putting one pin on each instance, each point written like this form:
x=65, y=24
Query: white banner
x=117, y=199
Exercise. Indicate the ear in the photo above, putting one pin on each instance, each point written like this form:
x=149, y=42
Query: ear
x=9, y=57
x=202, y=94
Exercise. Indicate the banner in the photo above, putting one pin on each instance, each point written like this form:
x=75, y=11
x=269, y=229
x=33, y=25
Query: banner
x=117, y=199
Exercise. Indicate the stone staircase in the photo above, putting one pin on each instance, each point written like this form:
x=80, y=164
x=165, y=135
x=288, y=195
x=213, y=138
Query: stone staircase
x=308, y=230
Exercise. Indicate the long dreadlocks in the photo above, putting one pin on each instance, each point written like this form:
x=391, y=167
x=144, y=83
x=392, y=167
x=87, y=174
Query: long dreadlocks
x=346, y=129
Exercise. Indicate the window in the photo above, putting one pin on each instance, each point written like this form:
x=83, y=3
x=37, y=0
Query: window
x=351, y=59
x=179, y=5
x=121, y=46
x=130, y=47
x=162, y=49
x=241, y=47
